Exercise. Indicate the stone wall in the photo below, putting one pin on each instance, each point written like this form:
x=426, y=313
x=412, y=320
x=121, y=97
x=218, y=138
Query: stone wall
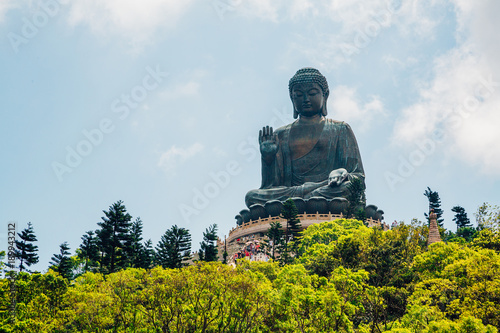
x=257, y=229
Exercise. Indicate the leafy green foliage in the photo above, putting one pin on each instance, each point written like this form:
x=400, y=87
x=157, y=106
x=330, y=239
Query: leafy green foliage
x=2, y=257
x=345, y=278
x=488, y=216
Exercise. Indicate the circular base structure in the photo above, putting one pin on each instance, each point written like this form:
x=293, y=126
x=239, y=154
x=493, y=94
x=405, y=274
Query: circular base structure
x=257, y=229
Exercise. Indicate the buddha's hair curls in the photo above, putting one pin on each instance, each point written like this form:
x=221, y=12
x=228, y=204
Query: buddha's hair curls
x=309, y=75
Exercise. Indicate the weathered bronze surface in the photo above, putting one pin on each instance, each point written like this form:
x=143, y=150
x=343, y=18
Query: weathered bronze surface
x=311, y=157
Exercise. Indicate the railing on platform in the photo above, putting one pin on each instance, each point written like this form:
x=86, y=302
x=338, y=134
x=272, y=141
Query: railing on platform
x=250, y=226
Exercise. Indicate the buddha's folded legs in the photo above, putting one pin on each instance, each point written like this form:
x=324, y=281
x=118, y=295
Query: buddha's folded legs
x=329, y=192
x=282, y=193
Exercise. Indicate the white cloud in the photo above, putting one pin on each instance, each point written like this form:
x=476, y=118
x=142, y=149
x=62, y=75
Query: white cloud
x=456, y=77
x=5, y=5
x=175, y=157
x=357, y=25
x=132, y=19
x=263, y=9
x=463, y=98
x=345, y=105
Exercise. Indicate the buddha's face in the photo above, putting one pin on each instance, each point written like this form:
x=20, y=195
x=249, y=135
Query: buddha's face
x=308, y=99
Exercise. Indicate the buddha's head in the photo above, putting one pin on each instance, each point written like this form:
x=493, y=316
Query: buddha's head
x=309, y=92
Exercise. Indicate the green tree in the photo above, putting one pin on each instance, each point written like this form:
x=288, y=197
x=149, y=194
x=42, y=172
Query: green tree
x=89, y=251
x=208, y=248
x=357, y=199
x=457, y=280
x=61, y=262
x=147, y=255
x=488, y=216
x=39, y=302
x=290, y=243
x=26, y=251
x=460, y=218
x=112, y=236
x=133, y=247
x=224, y=254
x=434, y=203
x=487, y=239
x=2, y=264
x=174, y=248
x=467, y=233
x=274, y=238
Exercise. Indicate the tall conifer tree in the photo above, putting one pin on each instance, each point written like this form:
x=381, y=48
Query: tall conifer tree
x=291, y=233
x=26, y=251
x=174, y=248
x=133, y=245
x=61, y=262
x=208, y=250
x=112, y=236
x=89, y=251
x=147, y=255
x=274, y=238
x=434, y=203
x=461, y=218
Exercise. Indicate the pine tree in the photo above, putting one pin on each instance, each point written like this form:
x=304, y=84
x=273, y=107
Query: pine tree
x=174, y=248
x=61, y=262
x=274, y=238
x=133, y=246
x=291, y=234
x=357, y=199
x=146, y=255
x=208, y=250
x=112, y=236
x=25, y=249
x=224, y=254
x=434, y=203
x=89, y=251
x=461, y=218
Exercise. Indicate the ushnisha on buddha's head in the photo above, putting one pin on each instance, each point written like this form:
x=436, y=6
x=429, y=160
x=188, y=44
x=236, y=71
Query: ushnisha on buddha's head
x=309, y=92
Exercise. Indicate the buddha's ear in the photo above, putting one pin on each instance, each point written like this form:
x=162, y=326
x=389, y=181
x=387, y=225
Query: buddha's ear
x=295, y=114
x=324, y=111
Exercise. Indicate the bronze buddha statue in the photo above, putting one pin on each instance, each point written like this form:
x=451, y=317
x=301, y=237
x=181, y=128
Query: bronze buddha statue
x=311, y=157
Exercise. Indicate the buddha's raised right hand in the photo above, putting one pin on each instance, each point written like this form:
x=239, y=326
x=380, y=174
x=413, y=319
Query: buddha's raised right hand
x=268, y=145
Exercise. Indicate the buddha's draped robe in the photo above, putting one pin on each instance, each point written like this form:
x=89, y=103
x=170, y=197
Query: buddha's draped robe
x=307, y=176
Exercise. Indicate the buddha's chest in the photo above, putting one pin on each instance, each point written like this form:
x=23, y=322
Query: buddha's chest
x=303, y=139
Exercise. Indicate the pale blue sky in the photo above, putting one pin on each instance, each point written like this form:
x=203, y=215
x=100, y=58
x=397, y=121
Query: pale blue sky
x=416, y=80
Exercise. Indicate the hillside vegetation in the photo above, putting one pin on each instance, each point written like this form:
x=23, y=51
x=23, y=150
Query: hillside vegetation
x=345, y=278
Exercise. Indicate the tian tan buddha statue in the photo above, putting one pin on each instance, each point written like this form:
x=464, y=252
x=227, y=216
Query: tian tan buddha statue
x=311, y=157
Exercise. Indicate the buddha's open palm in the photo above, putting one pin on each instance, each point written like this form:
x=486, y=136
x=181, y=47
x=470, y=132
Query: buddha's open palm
x=267, y=142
